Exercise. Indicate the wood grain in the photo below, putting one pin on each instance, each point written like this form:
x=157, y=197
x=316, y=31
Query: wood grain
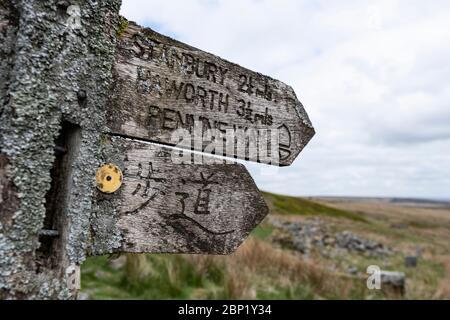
x=162, y=85
x=177, y=208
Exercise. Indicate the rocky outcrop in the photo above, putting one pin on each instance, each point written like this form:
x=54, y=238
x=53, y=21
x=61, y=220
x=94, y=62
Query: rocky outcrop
x=303, y=236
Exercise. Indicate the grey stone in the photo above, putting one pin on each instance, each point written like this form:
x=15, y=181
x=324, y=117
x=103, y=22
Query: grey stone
x=352, y=270
x=411, y=261
x=393, y=281
x=83, y=296
x=303, y=236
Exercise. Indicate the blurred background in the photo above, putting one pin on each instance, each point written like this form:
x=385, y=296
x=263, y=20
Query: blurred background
x=373, y=185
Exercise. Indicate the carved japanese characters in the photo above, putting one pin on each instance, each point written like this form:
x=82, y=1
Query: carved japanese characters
x=178, y=208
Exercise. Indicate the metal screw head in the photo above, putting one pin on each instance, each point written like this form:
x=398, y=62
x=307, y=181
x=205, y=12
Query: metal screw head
x=81, y=95
x=109, y=178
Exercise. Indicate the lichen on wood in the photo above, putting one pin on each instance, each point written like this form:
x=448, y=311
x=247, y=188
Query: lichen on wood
x=53, y=60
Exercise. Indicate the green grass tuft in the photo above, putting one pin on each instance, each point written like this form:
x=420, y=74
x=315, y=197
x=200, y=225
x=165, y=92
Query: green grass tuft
x=123, y=25
x=263, y=231
x=171, y=277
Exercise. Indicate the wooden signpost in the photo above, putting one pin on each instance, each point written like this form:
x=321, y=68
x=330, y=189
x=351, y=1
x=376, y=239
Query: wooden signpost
x=91, y=107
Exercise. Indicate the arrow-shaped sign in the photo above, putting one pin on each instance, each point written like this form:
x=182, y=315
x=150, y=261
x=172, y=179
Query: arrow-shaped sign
x=176, y=208
x=165, y=89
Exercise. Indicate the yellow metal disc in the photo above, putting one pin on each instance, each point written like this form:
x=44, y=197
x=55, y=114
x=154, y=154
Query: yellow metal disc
x=109, y=178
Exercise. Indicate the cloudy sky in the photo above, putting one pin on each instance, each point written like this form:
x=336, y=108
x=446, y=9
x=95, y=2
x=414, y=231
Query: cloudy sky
x=374, y=77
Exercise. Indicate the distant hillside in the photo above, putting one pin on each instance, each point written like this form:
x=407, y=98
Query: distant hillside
x=286, y=205
x=439, y=203
x=290, y=256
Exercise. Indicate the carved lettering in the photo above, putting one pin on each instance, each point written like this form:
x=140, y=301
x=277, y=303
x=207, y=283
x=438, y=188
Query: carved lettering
x=169, y=121
x=189, y=92
x=223, y=73
x=177, y=86
x=201, y=204
x=149, y=82
x=181, y=62
x=212, y=94
x=245, y=111
x=247, y=85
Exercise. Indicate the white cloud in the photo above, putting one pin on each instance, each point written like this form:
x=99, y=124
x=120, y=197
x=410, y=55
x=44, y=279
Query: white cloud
x=373, y=76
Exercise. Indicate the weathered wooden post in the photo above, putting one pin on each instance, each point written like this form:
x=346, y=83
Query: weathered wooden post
x=91, y=105
x=56, y=63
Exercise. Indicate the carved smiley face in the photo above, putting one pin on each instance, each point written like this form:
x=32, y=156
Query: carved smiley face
x=109, y=178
